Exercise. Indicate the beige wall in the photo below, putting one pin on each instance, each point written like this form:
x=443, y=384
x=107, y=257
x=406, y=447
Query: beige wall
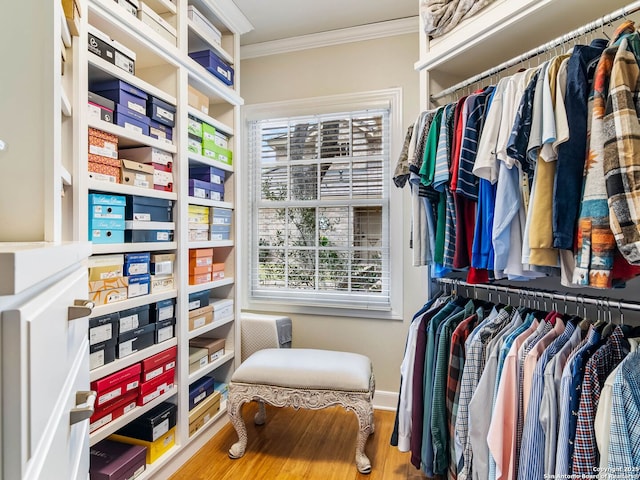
x=350, y=68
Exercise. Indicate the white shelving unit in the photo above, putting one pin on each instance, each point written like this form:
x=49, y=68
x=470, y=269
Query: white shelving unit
x=211, y=285
x=100, y=310
x=129, y=138
x=121, y=189
x=211, y=326
x=210, y=367
x=133, y=247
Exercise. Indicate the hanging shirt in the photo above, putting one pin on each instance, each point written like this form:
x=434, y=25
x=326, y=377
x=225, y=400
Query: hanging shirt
x=401, y=172
x=443, y=151
x=428, y=167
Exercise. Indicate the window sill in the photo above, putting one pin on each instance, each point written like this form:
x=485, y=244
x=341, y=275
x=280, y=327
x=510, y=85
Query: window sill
x=329, y=311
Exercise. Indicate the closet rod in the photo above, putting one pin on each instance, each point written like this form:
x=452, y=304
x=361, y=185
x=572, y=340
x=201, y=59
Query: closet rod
x=532, y=292
x=601, y=22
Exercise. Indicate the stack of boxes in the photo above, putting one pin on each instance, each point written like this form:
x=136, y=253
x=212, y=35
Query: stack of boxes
x=135, y=385
x=200, y=312
x=204, y=402
x=106, y=218
x=161, y=163
x=215, y=65
x=202, y=268
x=206, y=182
x=198, y=223
x=220, y=224
x=205, y=140
x=204, y=350
x=140, y=212
x=162, y=272
x=137, y=267
x=107, y=282
x=103, y=162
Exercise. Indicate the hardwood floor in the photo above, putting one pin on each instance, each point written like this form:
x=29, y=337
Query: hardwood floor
x=303, y=444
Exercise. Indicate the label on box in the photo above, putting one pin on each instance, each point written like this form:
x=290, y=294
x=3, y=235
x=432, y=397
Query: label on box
x=129, y=407
x=138, y=289
x=199, y=398
x=163, y=268
x=169, y=365
x=203, y=261
x=199, y=322
x=100, y=423
x=100, y=334
x=162, y=178
x=126, y=64
x=132, y=385
x=109, y=396
x=103, y=177
x=125, y=348
x=215, y=196
x=195, y=304
x=138, y=268
x=142, y=217
x=132, y=127
x=108, y=150
x=166, y=114
x=165, y=333
x=140, y=181
x=160, y=134
x=161, y=429
x=153, y=374
x=203, y=362
x=162, y=236
x=129, y=323
x=165, y=313
x=199, y=193
x=217, y=355
x=151, y=396
x=96, y=359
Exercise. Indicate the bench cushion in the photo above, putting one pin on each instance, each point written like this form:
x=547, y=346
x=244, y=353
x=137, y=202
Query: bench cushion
x=306, y=368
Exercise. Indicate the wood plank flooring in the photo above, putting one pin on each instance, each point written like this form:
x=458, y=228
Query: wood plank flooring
x=301, y=445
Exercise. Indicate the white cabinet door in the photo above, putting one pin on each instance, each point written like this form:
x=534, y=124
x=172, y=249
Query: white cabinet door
x=44, y=362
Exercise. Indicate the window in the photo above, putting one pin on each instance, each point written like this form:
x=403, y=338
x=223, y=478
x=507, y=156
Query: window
x=320, y=208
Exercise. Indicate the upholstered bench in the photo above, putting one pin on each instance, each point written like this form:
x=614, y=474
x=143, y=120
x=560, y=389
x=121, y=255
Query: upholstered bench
x=303, y=378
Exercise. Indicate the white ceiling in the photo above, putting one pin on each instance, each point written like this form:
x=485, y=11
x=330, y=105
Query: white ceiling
x=278, y=19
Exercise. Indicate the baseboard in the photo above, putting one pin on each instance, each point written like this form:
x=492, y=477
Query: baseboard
x=385, y=400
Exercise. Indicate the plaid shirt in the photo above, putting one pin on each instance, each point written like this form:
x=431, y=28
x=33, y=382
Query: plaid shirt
x=599, y=366
x=454, y=375
x=473, y=367
x=624, y=447
x=622, y=147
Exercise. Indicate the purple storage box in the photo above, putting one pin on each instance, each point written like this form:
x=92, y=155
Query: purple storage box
x=127, y=122
x=216, y=192
x=116, y=461
x=161, y=132
x=199, y=188
x=215, y=65
x=207, y=174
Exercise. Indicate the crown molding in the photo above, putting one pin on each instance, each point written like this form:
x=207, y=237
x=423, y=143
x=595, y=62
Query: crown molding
x=361, y=33
x=233, y=16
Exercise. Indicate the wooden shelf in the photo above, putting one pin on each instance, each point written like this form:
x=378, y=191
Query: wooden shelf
x=199, y=39
x=122, y=189
x=211, y=326
x=209, y=203
x=100, y=310
x=210, y=367
x=129, y=138
x=201, y=159
x=132, y=247
x=210, y=120
x=109, y=428
x=210, y=285
x=112, y=367
x=211, y=244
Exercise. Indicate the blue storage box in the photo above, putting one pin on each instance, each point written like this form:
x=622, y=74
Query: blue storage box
x=106, y=223
x=120, y=85
x=123, y=93
x=135, y=340
x=221, y=216
x=199, y=299
x=106, y=236
x=161, y=112
x=216, y=192
x=147, y=209
x=199, y=188
x=131, y=123
x=207, y=174
x=137, y=263
x=144, y=236
x=160, y=131
x=163, y=310
x=124, y=110
x=199, y=390
x=104, y=212
x=215, y=65
x=220, y=232
x=133, y=318
x=138, y=285
x=105, y=199
x=165, y=330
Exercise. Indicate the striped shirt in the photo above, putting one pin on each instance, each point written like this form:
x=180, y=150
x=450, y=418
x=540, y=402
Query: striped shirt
x=443, y=151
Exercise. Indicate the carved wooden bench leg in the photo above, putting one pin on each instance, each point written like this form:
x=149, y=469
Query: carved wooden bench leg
x=234, y=410
x=364, y=412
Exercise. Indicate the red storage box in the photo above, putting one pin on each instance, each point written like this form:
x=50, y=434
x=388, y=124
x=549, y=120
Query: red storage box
x=159, y=363
x=154, y=388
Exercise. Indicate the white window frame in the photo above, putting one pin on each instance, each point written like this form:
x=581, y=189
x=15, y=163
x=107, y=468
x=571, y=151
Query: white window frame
x=380, y=99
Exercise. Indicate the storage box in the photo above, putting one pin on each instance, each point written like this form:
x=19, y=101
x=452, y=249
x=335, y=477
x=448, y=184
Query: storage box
x=133, y=318
x=100, y=108
x=161, y=132
x=110, y=50
x=203, y=412
x=200, y=279
x=131, y=123
x=100, y=354
x=194, y=127
x=152, y=425
x=101, y=159
x=139, y=285
x=220, y=232
x=116, y=461
x=198, y=358
x=203, y=22
x=201, y=256
x=198, y=100
x=148, y=209
x=145, y=236
x=198, y=234
x=165, y=330
x=199, y=189
x=108, y=284
x=214, y=152
x=107, y=297
x=162, y=263
x=106, y=223
x=135, y=340
x=131, y=9
x=162, y=180
x=223, y=389
x=221, y=216
x=103, y=143
x=200, y=317
x=123, y=93
x=162, y=310
x=215, y=65
x=158, y=24
x=161, y=111
x=149, y=155
x=137, y=263
x=214, y=346
x=222, y=308
x=103, y=328
x=154, y=388
x=194, y=145
x=137, y=174
x=159, y=363
x=195, y=270
x=113, y=410
x=208, y=133
x=134, y=114
x=106, y=212
x=162, y=283
x=107, y=200
x=117, y=384
x=198, y=214
x=207, y=174
x=156, y=449
x=198, y=300
x=106, y=236
x=199, y=390
x=104, y=173
x=102, y=267
x=221, y=140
